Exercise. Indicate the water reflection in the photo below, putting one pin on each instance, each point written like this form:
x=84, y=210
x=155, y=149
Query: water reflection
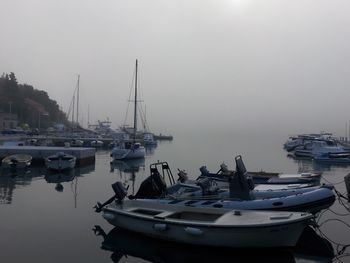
x=150, y=149
x=123, y=243
x=10, y=181
x=307, y=164
x=128, y=169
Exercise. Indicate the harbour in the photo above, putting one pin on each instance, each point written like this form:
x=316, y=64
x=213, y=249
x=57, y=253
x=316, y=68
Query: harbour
x=175, y=131
x=68, y=213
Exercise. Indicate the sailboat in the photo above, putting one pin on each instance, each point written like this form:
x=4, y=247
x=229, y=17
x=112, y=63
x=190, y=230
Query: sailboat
x=130, y=149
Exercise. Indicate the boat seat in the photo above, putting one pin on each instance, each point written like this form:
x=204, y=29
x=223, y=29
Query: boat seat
x=164, y=214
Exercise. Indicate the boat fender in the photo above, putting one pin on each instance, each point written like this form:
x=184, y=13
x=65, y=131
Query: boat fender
x=108, y=216
x=193, y=231
x=328, y=186
x=160, y=227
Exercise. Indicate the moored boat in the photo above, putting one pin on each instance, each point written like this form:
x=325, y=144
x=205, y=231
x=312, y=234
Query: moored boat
x=130, y=149
x=96, y=143
x=208, y=226
x=148, y=139
x=262, y=177
x=238, y=196
x=60, y=161
x=16, y=161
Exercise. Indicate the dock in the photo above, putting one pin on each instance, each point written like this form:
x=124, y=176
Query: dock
x=85, y=156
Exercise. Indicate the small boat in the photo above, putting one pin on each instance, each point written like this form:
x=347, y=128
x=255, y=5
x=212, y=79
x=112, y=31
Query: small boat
x=128, y=150
x=76, y=143
x=96, y=143
x=148, y=139
x=60, y=161
x=220, y=185
x=208, y=226
x=17, y=161
x=263, y=177
x=319, y=148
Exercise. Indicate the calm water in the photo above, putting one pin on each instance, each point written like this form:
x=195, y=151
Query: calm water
x=48, y=217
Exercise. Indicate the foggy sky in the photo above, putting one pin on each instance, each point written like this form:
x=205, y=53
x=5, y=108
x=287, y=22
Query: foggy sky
x=246, y=65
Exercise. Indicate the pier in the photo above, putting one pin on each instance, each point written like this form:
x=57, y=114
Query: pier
x=85, y=156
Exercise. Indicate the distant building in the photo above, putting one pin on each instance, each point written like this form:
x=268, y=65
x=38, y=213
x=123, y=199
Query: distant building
x=8, y=121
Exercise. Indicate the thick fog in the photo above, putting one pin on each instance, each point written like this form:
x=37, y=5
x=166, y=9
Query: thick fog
x=209, y=65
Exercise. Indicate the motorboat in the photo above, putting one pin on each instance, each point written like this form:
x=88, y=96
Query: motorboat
x=222, y=185
x=76, y=143
x=126, y=149
x=148, y=139
x=239, y=194
x=207, y=226
x=17, y=161
x=295, y=141
x=96, y=143
x=262, y=177
x=123, y=243
x=319, y=149
x=60, y=161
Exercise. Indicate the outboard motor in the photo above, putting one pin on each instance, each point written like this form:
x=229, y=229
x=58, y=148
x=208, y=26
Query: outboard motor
x=120, y=193
x=153, y=186
x=240, y=186
x=119, y=190
x=223, y=168
x=208, y=186
x=182, y=176
x=204, y=171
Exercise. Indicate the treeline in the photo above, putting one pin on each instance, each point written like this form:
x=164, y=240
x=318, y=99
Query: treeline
x=33, y=107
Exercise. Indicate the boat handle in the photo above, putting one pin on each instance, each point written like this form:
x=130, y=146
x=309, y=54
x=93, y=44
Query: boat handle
x=160, y=227
x=193, y=231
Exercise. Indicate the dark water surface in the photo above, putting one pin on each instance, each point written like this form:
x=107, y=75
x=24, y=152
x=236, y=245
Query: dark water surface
x=46, y=217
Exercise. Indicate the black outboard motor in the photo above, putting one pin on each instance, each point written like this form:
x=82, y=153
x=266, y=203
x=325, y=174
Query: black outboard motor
x=182, y=176
x=240, y=186
x=119, y=190
x=208, y=186
x=152, y=187
x=120, y=193
x=204, y=171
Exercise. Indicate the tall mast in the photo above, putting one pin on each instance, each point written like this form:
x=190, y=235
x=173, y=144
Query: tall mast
x=135, y=105
x=88, y=120
x=73, y=111
x=78, y=100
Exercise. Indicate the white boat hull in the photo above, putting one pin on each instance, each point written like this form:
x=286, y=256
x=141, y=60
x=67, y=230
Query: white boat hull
x=262, y=233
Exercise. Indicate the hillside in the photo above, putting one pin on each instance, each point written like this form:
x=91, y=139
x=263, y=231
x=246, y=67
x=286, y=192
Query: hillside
x=30, y=105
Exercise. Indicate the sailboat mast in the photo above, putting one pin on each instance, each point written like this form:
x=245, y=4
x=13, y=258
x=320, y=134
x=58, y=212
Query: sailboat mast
x=135, y=105
x=78, y=100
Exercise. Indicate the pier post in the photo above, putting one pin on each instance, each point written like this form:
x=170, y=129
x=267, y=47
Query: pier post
x=347, y=184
